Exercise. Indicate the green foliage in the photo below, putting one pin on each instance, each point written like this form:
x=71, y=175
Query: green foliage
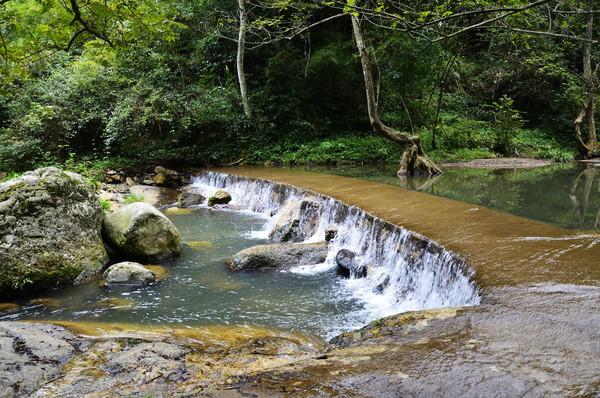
x=507, y=121
x=132, y=198
x=340, y=149
x=9, y=176
x=156, y=82
x=105, y=204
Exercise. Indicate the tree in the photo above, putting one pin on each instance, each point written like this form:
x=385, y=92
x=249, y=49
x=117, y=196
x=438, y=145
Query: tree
x=433, y=22
x=588, y=147
x=414, y=161
x=241, y=49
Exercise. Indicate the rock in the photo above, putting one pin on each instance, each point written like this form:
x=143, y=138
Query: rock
x=155, y=196
x=160, y=179
x=32, y=353
x=145, y=362
x=190, y=197
x=50, y=223
x=347, y=266
x=160, y=170
x=382, y=286
x=279, y=255
x=139, y=231
x=219, y=198
x=128, y=273
x=112, y=177
x=296, y=221
x=330, y=233
x=129, y=181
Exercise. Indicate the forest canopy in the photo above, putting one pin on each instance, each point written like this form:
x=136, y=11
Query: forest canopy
x=217, y=81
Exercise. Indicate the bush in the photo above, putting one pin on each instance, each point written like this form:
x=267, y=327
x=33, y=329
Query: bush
x=507, y=121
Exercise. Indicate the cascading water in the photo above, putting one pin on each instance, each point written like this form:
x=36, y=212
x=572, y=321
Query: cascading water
x=406, y=271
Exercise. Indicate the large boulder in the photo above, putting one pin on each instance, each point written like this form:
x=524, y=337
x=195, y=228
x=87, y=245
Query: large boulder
x=50, y=223
x=139, y=231
x=278, y=255
x=219, y=198
x=128, y=273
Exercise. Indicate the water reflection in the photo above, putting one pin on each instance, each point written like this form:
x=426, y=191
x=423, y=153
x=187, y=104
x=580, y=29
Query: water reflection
x=564, y=195
x=581, y=197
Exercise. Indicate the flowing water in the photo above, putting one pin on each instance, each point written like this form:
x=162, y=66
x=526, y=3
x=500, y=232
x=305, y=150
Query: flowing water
x=199, y=289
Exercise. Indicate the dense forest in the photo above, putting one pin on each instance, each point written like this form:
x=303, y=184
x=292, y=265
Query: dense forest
x=196, y=82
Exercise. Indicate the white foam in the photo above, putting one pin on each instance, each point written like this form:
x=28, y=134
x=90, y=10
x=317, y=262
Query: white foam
x=435, y=278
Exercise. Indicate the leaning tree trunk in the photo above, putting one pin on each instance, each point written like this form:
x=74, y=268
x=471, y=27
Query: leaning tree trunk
x=588, y=147
x=414, y=162
x=241, y=49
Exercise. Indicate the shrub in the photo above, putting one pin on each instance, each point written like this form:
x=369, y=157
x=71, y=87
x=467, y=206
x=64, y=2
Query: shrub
x=132, y=198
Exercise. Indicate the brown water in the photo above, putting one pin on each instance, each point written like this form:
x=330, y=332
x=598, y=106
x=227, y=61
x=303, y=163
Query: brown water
x=504, y=249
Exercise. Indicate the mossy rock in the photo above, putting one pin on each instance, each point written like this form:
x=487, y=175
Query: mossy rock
x=140, y=232
x=50, y=231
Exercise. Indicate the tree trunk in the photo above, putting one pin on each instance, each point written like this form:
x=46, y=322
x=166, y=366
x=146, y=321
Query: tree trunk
x=588, y=147
x=414, y=162
x=241, y=49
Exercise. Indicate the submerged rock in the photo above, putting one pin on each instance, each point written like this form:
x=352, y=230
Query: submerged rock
x=347, y=266
x=128, y=273
x=219, y=198
x=139, y=231
x=190, y=197
x=279, y=255
x=50, y=224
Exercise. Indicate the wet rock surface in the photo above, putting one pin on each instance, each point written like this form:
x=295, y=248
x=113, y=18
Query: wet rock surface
x=278, y=255
x=219, y=198
x=348, y=265
x=296, y=221
x=128, y=273
x=31, y=354
x=139, y=231
x=49, y=230
x=190, y=197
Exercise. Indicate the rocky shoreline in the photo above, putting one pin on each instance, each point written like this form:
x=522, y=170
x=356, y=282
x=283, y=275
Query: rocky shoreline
x=469, y=351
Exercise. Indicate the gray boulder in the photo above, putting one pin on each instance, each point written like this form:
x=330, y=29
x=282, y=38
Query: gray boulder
x=219, y=198
x=139, y=231
x=50, y=223
x=128, y=273
x=190, y=197
x=278, y=255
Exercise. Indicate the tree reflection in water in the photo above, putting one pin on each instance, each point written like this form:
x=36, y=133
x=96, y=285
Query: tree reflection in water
x=581, y=197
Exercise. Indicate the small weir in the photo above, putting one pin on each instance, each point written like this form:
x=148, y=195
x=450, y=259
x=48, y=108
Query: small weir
x=406, y=271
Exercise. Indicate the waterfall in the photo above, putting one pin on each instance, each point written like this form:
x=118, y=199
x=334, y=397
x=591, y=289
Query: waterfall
x=406, y=271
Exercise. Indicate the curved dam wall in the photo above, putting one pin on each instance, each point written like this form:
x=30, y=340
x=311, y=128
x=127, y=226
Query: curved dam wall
x=505, y=250
x=406, y=270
